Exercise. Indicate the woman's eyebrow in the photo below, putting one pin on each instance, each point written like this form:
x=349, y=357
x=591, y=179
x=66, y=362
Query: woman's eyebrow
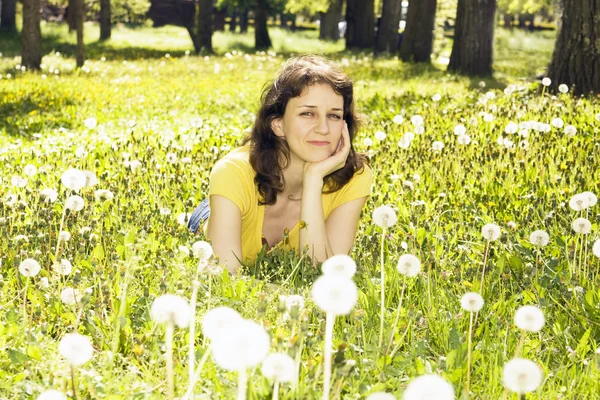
x=309, y=106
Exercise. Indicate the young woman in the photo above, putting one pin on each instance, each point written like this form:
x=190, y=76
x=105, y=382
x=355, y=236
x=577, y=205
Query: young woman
x=297, y=164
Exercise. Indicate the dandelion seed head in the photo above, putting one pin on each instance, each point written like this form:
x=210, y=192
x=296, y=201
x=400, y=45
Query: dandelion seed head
x=29, y=267
x=460, y=129
x=49, y=195
x=202, y=250
x=582, y=225
x=521, y=375
x=217, y=319
x=591, y=197
x=340, y=264
x=334, y=294
x=64, y=267
x=278, y=366
x=381, y=396
x=490, y=232
x=384, y=216
x=409, y=265
x=170, y=308
x=579, y=202
x=539, y=238
x=74, y=203
x=76, y=348
x=429, y=387
x=69, y=296
x=529, y=318
x=73, y=179
x=52, y=395
x=596, y=248
x=546, y=81
x=471, y=302
x=563, y=88
x=241, y=345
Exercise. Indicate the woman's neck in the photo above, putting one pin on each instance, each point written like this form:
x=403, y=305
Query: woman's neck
x=293, y=176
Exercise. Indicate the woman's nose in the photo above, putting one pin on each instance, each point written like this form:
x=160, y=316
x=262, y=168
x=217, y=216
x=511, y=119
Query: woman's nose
x=322, y=126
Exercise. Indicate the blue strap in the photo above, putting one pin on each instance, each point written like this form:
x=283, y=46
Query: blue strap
x=200, y=214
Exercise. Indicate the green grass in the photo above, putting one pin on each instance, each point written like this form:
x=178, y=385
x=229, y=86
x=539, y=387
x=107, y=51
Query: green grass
x=148, y=105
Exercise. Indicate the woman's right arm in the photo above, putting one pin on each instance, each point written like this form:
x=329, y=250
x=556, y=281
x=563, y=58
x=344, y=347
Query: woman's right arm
x=225, y=231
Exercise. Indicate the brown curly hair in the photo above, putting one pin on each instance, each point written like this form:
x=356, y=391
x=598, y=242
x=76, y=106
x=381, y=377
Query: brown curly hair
x=270, y=154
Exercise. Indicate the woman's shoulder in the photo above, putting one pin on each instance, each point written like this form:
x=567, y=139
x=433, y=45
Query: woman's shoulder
x=236, y=161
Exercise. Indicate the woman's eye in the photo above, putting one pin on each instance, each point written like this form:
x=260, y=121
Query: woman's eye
x=306, y=113
x=336, y=116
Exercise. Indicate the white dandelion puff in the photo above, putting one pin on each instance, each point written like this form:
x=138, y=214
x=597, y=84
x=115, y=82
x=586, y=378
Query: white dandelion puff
x=437, y=146
x=90, y=123
x=73, y=179
x=546, y=81
x=409, y=265
x=591, y=197
x=49, y=195
x=69, y=296
x=240, y=345
x=582, y=225
x=104, y=195
x=64, y=267
x=529, y=318
x=217, y=319
x=429, y=387
x=557, y=123
x=202, y=250
x=471, y=302
x=596, y=248
x=381, y=396
x=579, y=202
x=398, y=119
x=340, y=264
x=563, y=88
x=29, y=267
x=490, y=232
x=74, y=203
x=30, y=170
x=380, y=135
x=460, y=130
x=539, y=238
x=52, y=395
x=416, y=120
x=334, y=295
x=64, y=236
x=521, y=375
x=171, y=308
x=384, y=216
x=278, y=366
x=570, y=130
x=76, y=348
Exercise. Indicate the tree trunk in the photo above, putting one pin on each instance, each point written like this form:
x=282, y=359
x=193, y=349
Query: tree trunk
x=105, y=26
x=79, y=17
x=233, y=22
x=576, y=57
x=204, y=42
x=292, y=18
x=71, y=11
x=363, y=21
x=508, y=20
x=244, y=21
x=328, y=29
x=387, y=35
x=417, y=42
x=31, y=37
x=219, y=20
x=8, y=15
x=261, y=33
x=283, y=21
x=350, y=22
x=472, y=51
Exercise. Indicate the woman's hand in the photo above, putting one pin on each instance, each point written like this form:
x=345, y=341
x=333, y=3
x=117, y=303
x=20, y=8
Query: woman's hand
x=337, y=160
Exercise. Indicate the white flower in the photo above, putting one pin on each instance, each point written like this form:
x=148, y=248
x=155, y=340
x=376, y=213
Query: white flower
x=183, y=218
x=217, y=319
x=334, y=294
x=171, y=158
x=598, y=117
x=409, y=136
x=49, y=195
x=133, y=165
x=64, y=267
x=429, y=387
x=546, y=81
x=437, y=146
x=596, y=248
x=570, y=130
x=592, y=198
x=74, y=203
x=582, y=225
x=64, y=236
x=384, y=216
x=563, y=88
x=460, y=129
x=170, y=308
x=340, y=264
x=490, y=232
x=404, y=142
x=398, y=119
x=69, y=296
x=240, y=345
x=368, y=142
x=419, y=130
x=44, y=283
x=436, y=97
x=29, y=267
x=202, y=250
x=539, y=238
x=417, y=120
x=380, y=135
x=511, y=128
x=471, y=302
x=381, y=396
x=90, y=178
x=76, y=348
x=81, y=152
x=488, y=117
x=529, y=318
x=19, y=182
x=278, y=366
x=104, y=195
x=557, y=123
x=524, y=144
x=409, y=265
x=165, y=211
x=464, y=139
x=294, y=300
x=73, y=179
x=30, y=170
x=521, y=375
x=579, y=202
x=52, y=395
x=90, y=123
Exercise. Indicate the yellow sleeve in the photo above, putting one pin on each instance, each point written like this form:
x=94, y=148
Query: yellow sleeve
x=232, y=180
x=358, y=186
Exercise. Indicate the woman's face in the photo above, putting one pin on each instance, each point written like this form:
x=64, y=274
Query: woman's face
x=312, y=123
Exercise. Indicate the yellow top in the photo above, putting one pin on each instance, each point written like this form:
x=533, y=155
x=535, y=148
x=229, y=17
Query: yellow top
x=233, y=178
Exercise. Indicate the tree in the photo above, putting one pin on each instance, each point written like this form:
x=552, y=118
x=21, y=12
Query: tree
x=360, y=24
x=105, y=26
x=8, y=15
x=204, y=41
x=472, y=51
x=79, y=17
x=576, y=57
x=261, y=32
x=417, y=42
x=387, y=35
x=31, y=37
x=328, y=28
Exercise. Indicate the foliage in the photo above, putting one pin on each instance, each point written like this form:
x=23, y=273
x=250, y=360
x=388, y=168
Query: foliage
x=525, y=6
x=127, y=11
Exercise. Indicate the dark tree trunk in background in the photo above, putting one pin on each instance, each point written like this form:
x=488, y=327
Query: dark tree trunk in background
x=79, y=17
x=576, y=57
x=219, y=20
x=387, y=37
x=244, y=21
x=105, y=26
x=8, y=15
x=283, y=20
x=472, y=50
x=31, y=55
x=417, y=42
x=204, y=38
x=508, y=20
x=261, y=33
x=233, y=22
x=328, y=29
x=292, y=18
x=363, y=33
x=71, y=12
x=350, y=22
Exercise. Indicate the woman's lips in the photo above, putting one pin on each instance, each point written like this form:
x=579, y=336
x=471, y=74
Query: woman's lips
x=318, y=143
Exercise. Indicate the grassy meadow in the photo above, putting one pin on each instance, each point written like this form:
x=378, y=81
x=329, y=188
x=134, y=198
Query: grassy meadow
x=150, y=120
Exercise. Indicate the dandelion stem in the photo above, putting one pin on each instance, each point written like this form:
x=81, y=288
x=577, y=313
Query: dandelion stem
x=276, y=390
x=487, y=248
x=25, y=303
x=242, y=382
x=73, y=382
x=469, y=357
x=575, y=256
x=381, y=322
x=397, y=316
x=62, y=222
x=169, y=358
x=190, y=392
x=327, y=355
x=521, y=342
x=192, y=355
x=397, y=346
